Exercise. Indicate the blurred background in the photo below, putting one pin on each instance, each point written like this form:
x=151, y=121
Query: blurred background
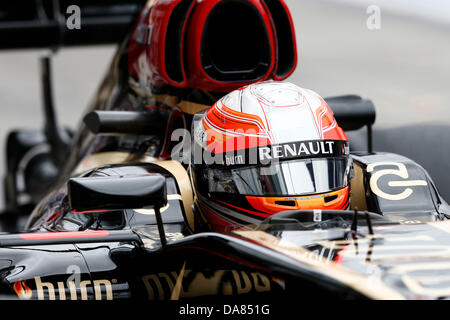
x=403, y=65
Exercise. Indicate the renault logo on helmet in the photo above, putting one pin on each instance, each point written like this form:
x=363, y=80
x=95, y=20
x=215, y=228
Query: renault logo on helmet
x=301, y=149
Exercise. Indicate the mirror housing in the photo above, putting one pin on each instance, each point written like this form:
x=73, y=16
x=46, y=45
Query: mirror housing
x=352, y=112
x=97, y=193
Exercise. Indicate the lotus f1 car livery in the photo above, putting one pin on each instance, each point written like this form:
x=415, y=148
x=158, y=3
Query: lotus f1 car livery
x=198, y=173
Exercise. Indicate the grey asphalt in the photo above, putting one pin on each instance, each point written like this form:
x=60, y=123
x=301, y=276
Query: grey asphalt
x=404, y=68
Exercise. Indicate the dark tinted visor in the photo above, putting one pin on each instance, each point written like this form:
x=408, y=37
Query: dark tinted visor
x=285, y=178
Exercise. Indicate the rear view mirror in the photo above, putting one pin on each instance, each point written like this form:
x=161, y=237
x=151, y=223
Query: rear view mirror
x=352, y=113
x=96, y=193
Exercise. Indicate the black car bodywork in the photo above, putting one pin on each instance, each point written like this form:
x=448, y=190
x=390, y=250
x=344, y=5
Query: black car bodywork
x=394, y=244
x=118, y=254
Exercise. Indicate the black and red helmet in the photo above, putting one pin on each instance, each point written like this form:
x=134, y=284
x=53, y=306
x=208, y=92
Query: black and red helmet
x=266, y=148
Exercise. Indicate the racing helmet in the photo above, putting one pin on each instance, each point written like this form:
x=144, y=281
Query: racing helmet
x=265, y=148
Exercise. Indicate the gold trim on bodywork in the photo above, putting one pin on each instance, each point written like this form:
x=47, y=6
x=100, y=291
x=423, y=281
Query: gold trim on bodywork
x=357, y=190
x=174, y=167
x=177, y=288
x=184, y=183
x=192, y=107
x=374, y=289
x=169, y=100
x=166, y=99
x=103, y=158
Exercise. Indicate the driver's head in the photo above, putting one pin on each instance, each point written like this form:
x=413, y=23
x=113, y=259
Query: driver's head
x=266, y=148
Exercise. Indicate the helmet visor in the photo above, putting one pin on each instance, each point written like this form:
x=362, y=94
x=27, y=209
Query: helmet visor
x=285, y=178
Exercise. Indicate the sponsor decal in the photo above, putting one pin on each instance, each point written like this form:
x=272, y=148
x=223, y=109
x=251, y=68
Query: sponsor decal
x=297, y=149
x=287, y=151
x=22, y=290
x=400, y=171
x=65, y=290
x=234, y=160
x=159, y=286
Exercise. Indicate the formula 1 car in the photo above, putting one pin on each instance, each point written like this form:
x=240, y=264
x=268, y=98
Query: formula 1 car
x=106, y=213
